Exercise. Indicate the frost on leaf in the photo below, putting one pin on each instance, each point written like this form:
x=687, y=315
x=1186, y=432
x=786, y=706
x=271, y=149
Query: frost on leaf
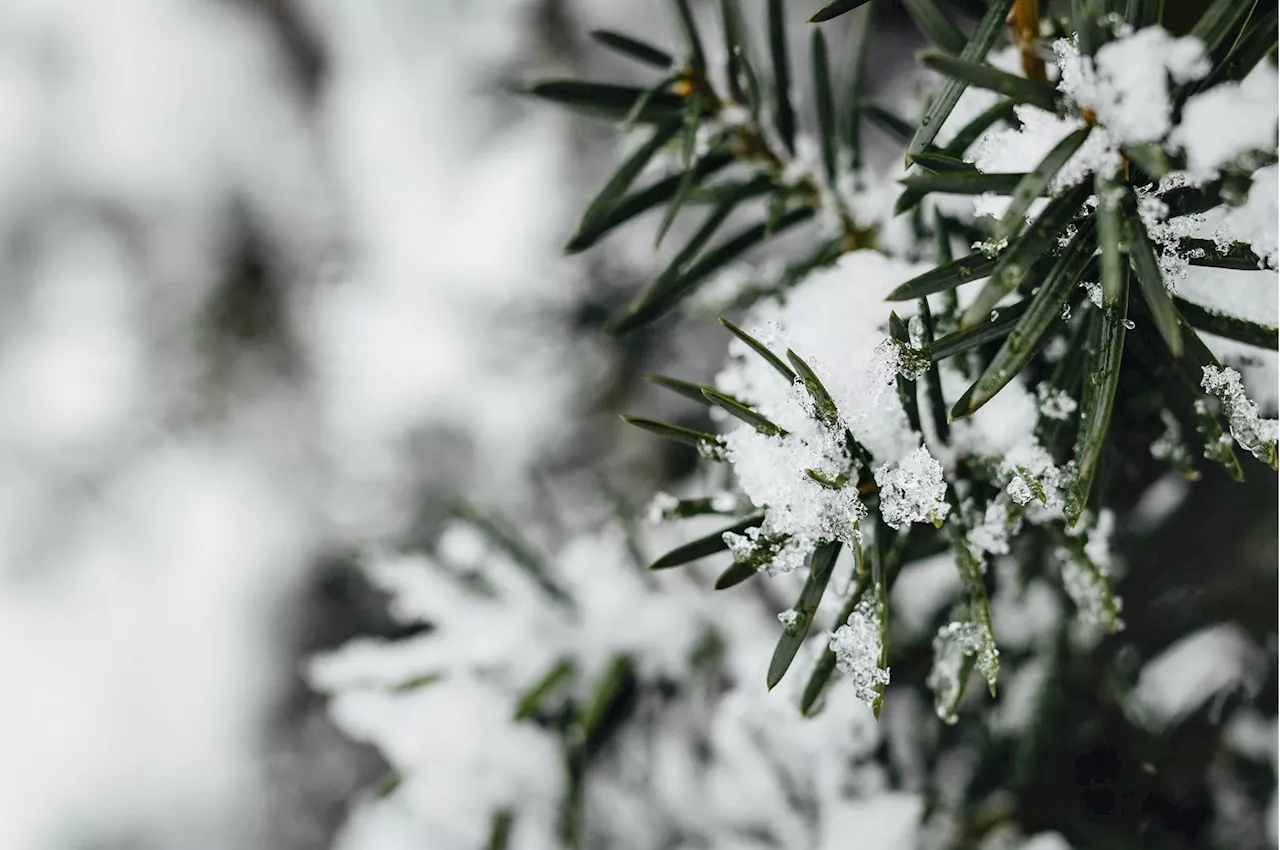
x=1250, y=431
x=857, y=647
x=913, y=491
x=789, y=618
x=1043, y=481
x=958, y=648
x=1093, y=289
x=777, y=553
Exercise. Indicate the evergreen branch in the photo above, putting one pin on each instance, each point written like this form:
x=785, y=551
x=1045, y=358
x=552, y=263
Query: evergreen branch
x=1015, y=263
x=1030, y=331
x=975, y=51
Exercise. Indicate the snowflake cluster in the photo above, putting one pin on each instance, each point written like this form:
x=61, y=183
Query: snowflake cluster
x=1054, y=403
x=858, y=647
x=1126, y=85
x=913, y=491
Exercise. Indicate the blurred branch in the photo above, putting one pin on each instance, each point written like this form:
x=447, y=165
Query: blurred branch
x=300, y=42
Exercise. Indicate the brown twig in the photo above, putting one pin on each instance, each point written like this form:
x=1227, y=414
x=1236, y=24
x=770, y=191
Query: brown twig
x=1024, y=19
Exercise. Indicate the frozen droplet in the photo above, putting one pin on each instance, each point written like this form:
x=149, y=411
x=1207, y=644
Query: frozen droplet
x=1019, y=490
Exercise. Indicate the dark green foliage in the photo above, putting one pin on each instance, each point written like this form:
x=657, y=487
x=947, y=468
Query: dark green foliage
x=633, y=48
x=975, y=51
x=606, y=100
x=822, y=565
x=1122, y=381
x=836, y=8
x=704, y=546
x=1018, y=89
x=1029, y=333
x=971, y=267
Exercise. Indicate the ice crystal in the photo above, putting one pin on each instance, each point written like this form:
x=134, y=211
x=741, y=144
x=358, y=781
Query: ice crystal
x=1093, y=289
x=858, y=648
x=1034, y=465
x=1054, y=403
x=1019, y=491
x=788, y=618
x=913, y=491
x=1250, y=431
x=762, y=549
x=909, y=360
x=991, y=247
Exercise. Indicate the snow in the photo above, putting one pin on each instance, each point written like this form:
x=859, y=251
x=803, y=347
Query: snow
x=1021, y=149
x=661, y=507
x=1126, y=84
x=1054, y=403
x=1255, y=222
x=922, y=589
x=1189, y=672
x=991, y=535
x=913, y=491
x=1005, y=422
x=1230, y=119
x=120, y=527
x=834, y=317
x=857, y=647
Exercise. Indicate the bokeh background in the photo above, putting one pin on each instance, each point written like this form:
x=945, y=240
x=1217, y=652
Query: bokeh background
x=283, y=280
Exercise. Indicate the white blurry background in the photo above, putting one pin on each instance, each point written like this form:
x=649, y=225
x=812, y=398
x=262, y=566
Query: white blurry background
x=164, y=498
x=173, y=484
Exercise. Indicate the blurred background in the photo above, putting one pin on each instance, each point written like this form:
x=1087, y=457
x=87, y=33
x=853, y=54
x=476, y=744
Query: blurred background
x=284, y=281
